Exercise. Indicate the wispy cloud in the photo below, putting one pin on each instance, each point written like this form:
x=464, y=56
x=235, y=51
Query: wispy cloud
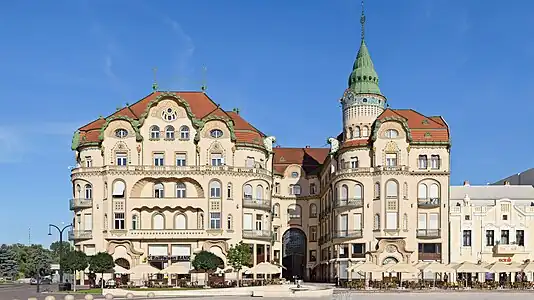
x=185, y=49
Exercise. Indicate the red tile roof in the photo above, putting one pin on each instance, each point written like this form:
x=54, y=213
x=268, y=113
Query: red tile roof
x=311, y=159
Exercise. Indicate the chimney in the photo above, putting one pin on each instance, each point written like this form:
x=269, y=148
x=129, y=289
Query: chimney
x=506, y=182
x=307, y=146
x=466, y=183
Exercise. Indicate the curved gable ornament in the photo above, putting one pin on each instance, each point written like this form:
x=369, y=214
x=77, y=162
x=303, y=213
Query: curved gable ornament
x=134, y=123
x=402, y=121
x=227, y=121
x=391, y=147
x=268, y=143
x=179, y=100
x=334, y=145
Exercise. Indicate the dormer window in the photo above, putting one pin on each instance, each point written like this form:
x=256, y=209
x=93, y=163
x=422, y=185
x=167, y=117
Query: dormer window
x=216, y=133
x=294, y=174
x=423, y=162
x=392, y=133
x=121, y=133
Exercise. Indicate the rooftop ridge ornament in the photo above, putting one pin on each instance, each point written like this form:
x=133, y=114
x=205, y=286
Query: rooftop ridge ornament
x=155, y=83
x=204, y=85
x=362, y=21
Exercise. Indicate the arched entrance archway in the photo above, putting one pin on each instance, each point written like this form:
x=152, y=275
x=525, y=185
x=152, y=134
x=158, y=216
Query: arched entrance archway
x=294, y=248
x=119, y=277
x=123, y=263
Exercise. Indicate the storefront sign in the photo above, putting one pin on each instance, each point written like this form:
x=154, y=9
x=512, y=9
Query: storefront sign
x=507, y=259
x=173, y=258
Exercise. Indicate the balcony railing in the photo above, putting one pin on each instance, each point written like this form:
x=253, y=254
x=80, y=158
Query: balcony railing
x=504, y=249
x=80, y=203
x=429, y=256
x=428, y=233
x=342, y=234
x=186, y=169
x=349, y=203
x=167, y=233
x=80, y=235
x=294, y=220
x=257, y=234
x=257, y=203
x=428, y=202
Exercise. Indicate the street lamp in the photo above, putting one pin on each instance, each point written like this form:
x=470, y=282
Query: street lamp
x=60, y=230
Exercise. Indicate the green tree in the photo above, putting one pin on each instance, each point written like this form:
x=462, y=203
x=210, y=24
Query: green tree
x=38, y=262
x=74, y=261
x=206, y=261
x=238, y=257
x=55, y=248
x=9, y=266
x=101, y=263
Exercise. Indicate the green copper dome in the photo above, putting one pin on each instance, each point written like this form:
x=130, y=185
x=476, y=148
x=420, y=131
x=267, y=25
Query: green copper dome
x=363, y=79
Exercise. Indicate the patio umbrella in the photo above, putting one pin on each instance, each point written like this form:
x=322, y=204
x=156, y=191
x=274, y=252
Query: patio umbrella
x=469, y=267
x=176, y=268
x=501, y=267
x=436, y=267
x=264, y=268
x=401, y=268
x=366, y=267
x=528, y=267
x=144, y=269
x=121, y=270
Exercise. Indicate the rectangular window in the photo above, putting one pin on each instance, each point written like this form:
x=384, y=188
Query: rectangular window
x=312, y=189
x=88, y=221
x=505, y=237
x=421, y=223
x=249, y=162
x=433, y=221
x=358, y=250
x=490, y=237
x=313, y=255
x=181, y=160
x=354, y=163
x=259, y=222
x=247, y=221
x=294, y=189
x=158, y=159
x=358, y=221
x=422, y=162
x=467, y=238
x=216, y=159
x=313, y=233
x=434, y=162
x=119, y=221
x=122, y=159
x=520, y=237
x=391, y=159
x=88, y=161
x=391, y=221
x=276, y=232
x=277, y=188
x=215, y=220
x=343, y=225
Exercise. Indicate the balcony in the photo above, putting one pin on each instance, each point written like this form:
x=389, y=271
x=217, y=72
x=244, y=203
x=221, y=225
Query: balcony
x=80, y=203
x=257, y=234
x=150, y=234
x=502, y=249
x=263, y=204
x=428, y=202
x=348, y=204
x=428, y=233
x=76, y=235
x=294, y=220
x=429, y=256
x=347, y=234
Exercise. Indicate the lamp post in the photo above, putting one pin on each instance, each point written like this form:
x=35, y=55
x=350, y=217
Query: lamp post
x=60, y=230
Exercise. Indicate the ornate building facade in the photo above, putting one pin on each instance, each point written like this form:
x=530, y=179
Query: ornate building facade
x=173, y=174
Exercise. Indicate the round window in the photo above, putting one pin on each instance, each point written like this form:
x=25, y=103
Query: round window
x=216, y=133
x=121, y=133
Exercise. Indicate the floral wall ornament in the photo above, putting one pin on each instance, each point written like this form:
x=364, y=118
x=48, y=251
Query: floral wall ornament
x=138, y=148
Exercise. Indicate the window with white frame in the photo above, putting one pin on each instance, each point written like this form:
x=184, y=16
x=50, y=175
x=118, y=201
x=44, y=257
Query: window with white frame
x=376, y=222
x=180, y=190
x=391, y=133
x=313, y=210
x=229, y=222
x=88, y=162
x=216, y=159
x=259, y=222
x=181, y=160
x=215, y=220
x=391, y=220
x=184, y=133
x=122, y=159
x=247, y=192
x=365, y=131
x=392, y=189
x=119, y=221
x=422, y=191
x=377, y=190
x=294, y=189
x=216, y=133
x=159, y=190
x=158, y=222
x=391, y=159
x=135, y=222
x=313, y=190
x=159, y=159
x=215, y=189
x=154, y=132
x=259, y=192
x=434, y=162
x=249, y=162
x=358, y=221
x=276, y=210
x=169, y=132
x=88, y=191
x=354, y=162
x=294, y=211
x=422, y=162
x=229, y=191
x=358, y=192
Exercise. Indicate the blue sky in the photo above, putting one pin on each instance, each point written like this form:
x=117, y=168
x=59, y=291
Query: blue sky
x=285, y=64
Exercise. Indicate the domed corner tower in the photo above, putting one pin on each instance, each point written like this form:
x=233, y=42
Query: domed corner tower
x=362, y=101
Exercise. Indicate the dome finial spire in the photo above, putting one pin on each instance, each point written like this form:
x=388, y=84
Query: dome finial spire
x=362, y=21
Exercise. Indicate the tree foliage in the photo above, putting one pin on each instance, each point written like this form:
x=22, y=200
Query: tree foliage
x=206, y=261
x=55, y=249
x=38, y=261
x=101, y=262
x=9, y=266
x=239, y=256
x=74, y=261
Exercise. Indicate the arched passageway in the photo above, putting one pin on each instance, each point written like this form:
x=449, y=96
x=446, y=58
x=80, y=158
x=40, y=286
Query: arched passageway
x=294, y=245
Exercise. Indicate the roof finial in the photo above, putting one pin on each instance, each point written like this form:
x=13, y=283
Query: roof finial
x=155, y=84
x=204, y=85
x=362, y=21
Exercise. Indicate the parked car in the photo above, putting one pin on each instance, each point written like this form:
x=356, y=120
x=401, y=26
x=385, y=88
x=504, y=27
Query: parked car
x=33, y=281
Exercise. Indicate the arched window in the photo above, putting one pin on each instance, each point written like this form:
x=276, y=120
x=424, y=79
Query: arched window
x=184, y=133
x=376, y=223
x=88, y=191
x=118, y=189
x=434, y=192
x=169, y=132
x=351, y=133
x=357, y=132
x=180, y=190
x=215, y=189
x=344, y=193
x=422, y=192
x=159, y=190
x=294, y=189
x=78, y=191
x=158, y=222
x=247, y=192
x=135, y=222
x=313, y=210
x=294, y=211
x=392, y=189
x=180, y=221
x=377, y=190
x=229, y=191
x=405, y=222
x=354, y=163
x=392, y=133
x=276, y=210
x=259, y=192
x=229, y=222
x=154, y=132
x=358, y=191
x=365, y=131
